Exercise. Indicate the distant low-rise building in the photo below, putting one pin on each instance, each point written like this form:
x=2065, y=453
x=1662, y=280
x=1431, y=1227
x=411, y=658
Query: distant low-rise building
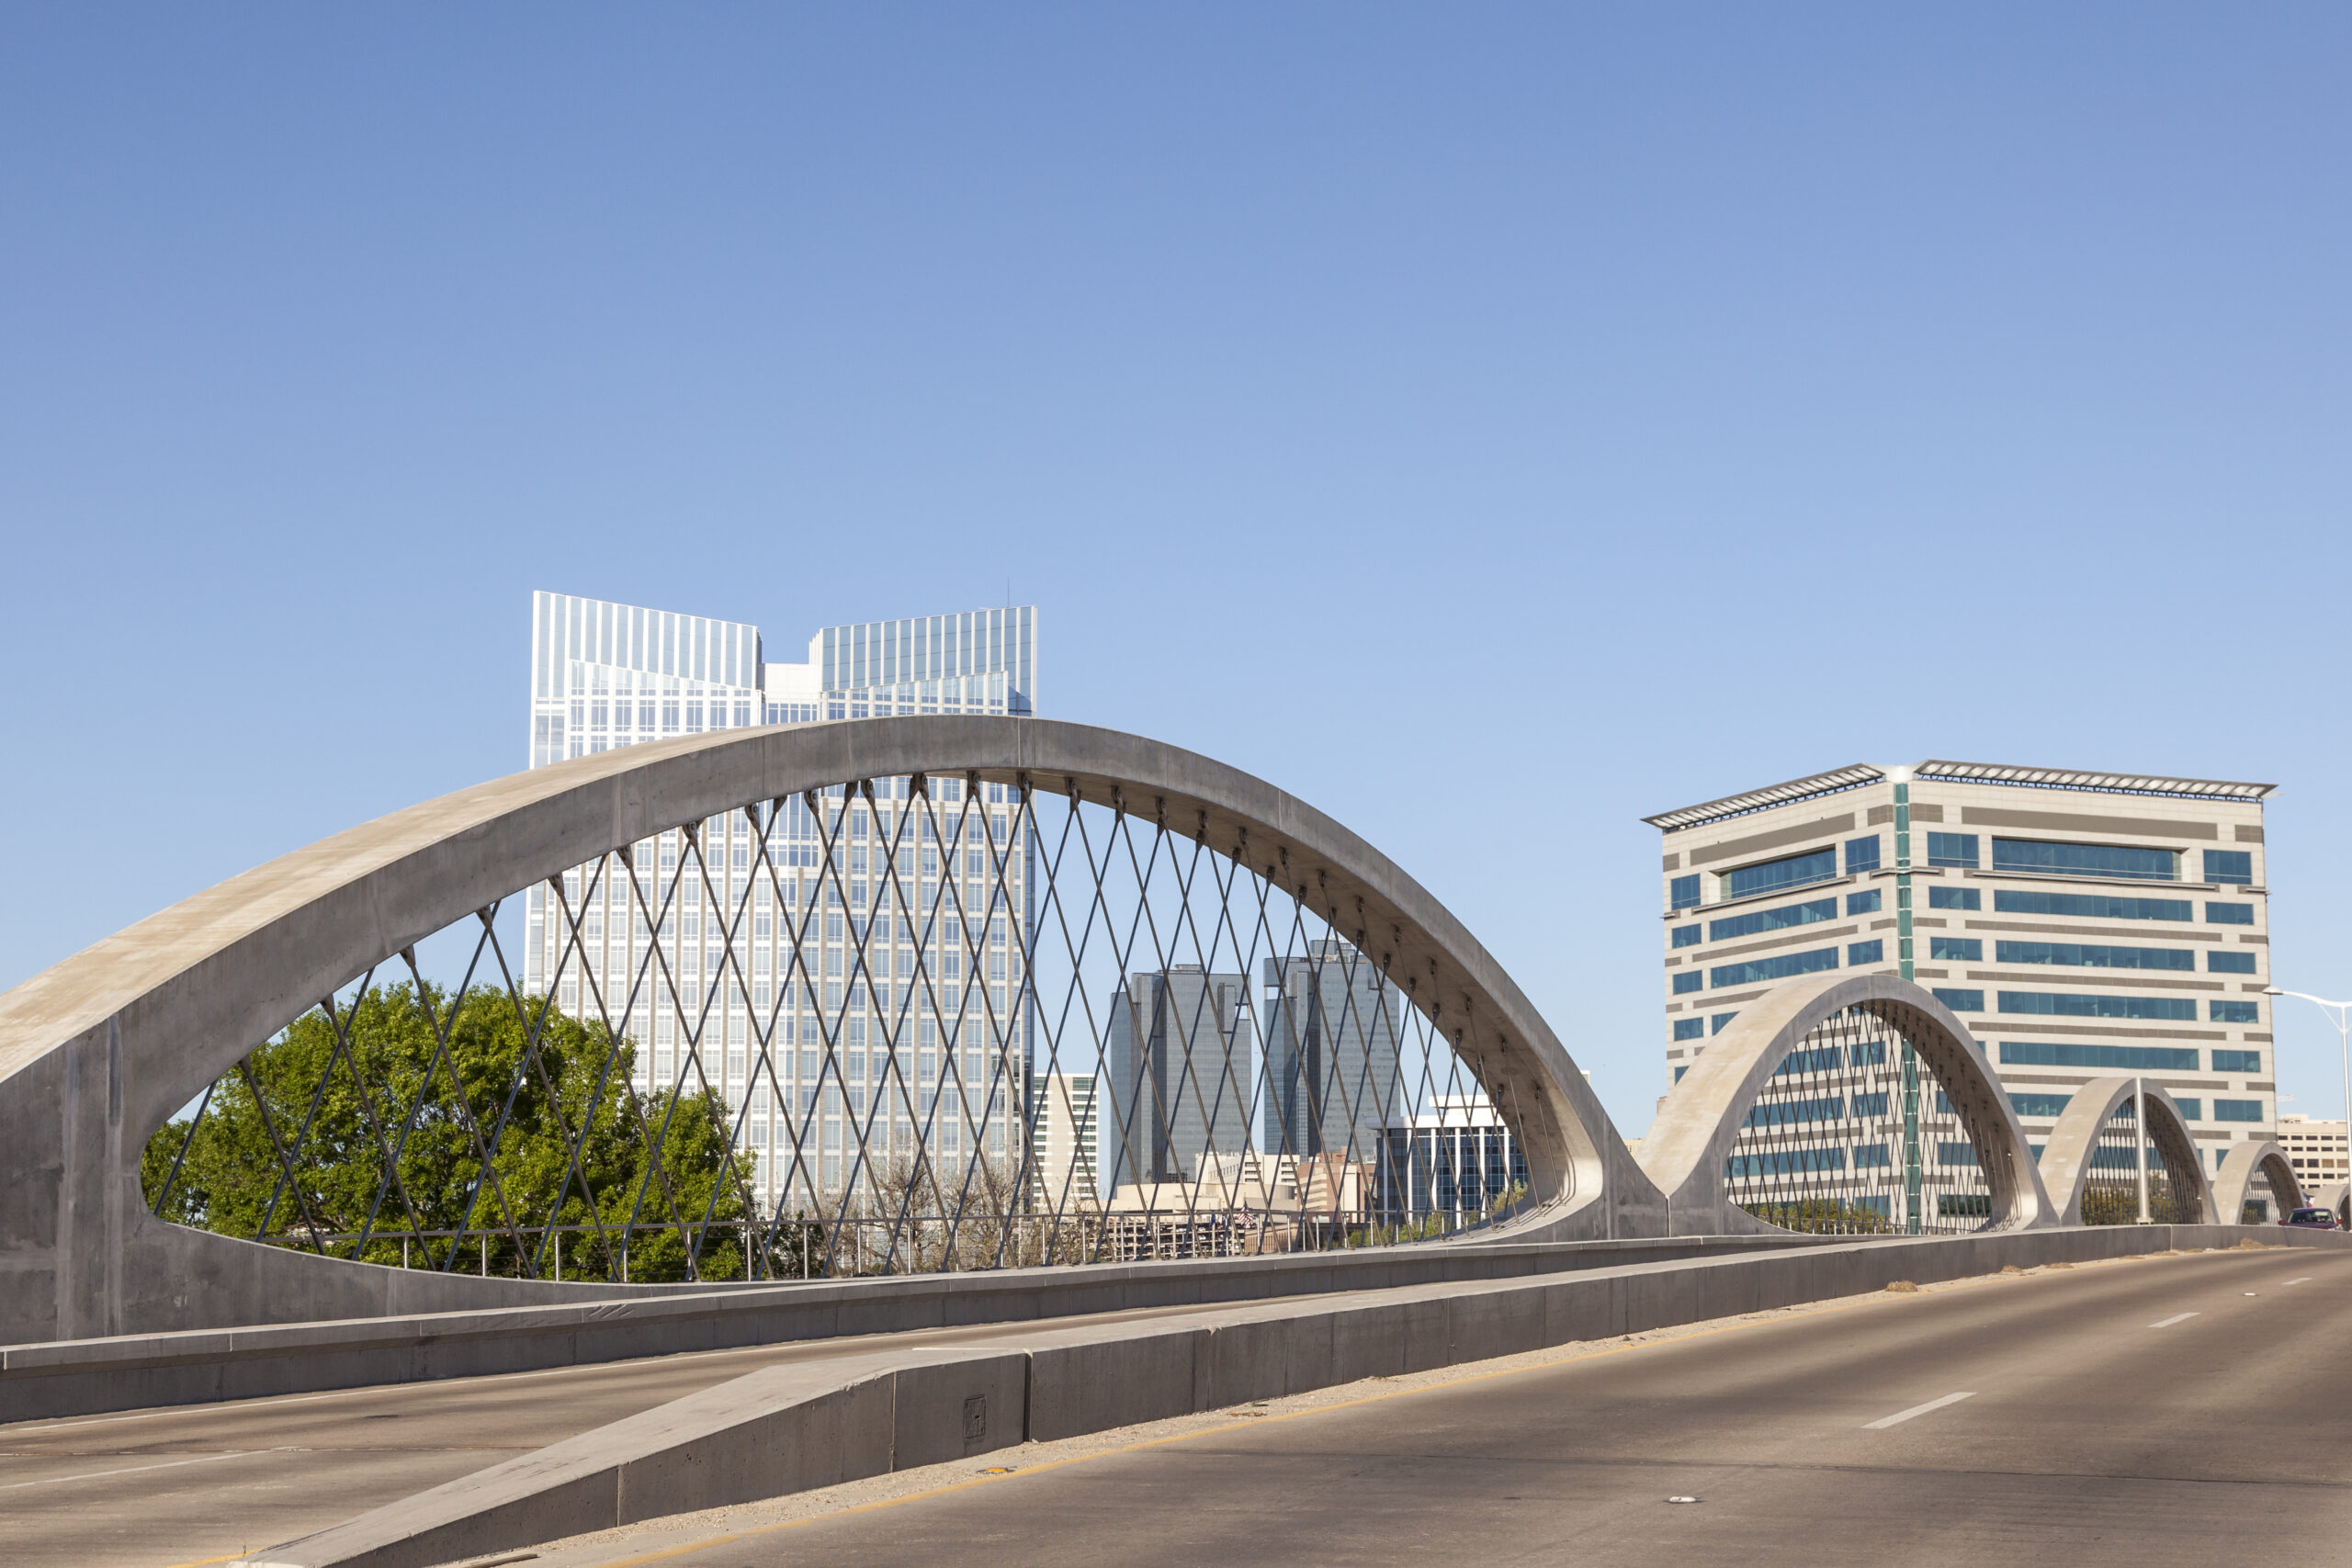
x=2318, y=1151
x=1065, y=1143
x=1456, y=1163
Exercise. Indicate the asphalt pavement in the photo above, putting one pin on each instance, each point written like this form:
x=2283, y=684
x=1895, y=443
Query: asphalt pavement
x=2191, y=1409
x=2175, y=1410
x=192, y=1484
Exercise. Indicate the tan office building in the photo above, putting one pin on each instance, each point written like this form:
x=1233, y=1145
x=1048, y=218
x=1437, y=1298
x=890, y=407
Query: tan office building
x=2082, y=925
x=2318, y=1151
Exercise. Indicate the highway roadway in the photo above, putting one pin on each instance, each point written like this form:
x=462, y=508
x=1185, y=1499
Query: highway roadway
x=2145, y=1412
x=188, y=1484
x=2192, y=1410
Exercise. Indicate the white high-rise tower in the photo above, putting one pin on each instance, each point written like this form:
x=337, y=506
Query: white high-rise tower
x=606, y=675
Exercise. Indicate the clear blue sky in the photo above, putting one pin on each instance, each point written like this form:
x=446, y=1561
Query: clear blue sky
x=1492, y=424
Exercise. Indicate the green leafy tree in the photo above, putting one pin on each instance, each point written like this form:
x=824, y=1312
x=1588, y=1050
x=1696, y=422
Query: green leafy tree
x=2117, y=1202
x=389, y=1093
x=1824, y=1217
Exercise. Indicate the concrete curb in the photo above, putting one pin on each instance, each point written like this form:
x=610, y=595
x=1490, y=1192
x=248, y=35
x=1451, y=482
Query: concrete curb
x=785, y=1429
x=88, y=1377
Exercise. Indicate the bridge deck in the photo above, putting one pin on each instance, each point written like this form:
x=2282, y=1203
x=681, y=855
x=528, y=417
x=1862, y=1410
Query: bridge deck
x=2090, y=1437
x=186, y=1484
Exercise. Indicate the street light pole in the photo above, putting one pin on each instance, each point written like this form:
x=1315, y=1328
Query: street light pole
x=2139, y=1140
x=2339, y=1014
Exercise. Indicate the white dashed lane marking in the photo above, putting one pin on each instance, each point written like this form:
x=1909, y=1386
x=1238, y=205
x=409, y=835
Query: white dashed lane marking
x=2177, y=1317
x=1900, y=1415
x=133, y=1469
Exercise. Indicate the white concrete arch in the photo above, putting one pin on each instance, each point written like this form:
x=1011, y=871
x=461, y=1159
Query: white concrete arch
x=1685, y=1149
x=2248, y=1164
x=97, y=1052
x=2066, y=1158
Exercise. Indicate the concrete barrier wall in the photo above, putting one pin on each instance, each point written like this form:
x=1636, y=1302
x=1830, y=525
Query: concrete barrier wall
x=784, y=1429
x=136, y=1372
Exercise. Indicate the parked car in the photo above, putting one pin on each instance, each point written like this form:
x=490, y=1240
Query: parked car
x=2311, y=1218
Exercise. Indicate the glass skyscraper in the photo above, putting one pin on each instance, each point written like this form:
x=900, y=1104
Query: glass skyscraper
x=697, y=996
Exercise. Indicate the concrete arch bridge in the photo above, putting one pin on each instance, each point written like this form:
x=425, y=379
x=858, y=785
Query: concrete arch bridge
x=886, y=997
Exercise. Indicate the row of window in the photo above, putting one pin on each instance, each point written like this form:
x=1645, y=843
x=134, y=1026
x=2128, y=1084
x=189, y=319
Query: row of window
x=2007, y=901
x=1958, y=851
x=1971, y=949
x=2124, y=1058
x=2037, y=857
x=2191, y=1110
x=2058, y=1004
x=1793, y=1112
x=1749, y=880
x=1818, y=1161
x=1829, y=1058
x=1783, y=966
x=593, y=715
x=2107, y=907
x=2089, y=906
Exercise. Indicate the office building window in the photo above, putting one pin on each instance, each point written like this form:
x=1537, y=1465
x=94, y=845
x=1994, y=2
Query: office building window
x=2191, y=1110
x=1684, y=892
x=1861, y=953
x=2237, y=1111
x=1952, y=848
x=1959, y=1000
x=2061, y=1005
x=1820, y=1059
x=2093, y=957
x=2039, y=1104
x=1715, y=1024
x=2234, y=1012
x=2094, y=906
x=2229, y=914
x=2040, y=857
x=2229, y=963
x=1793, y=1112
x=2237, y=1061
x=1861, y=855
x=1862, y=903
x=1956, y=950
x=1784, y=1162
x=1688, y=981
x=1685, y=936
x=1793, y=870
x=1955, y=898
x=1688, y=1028
x=1803, y=914
x=2115, y=1058
x=2229, y=865
x=1778, y=968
